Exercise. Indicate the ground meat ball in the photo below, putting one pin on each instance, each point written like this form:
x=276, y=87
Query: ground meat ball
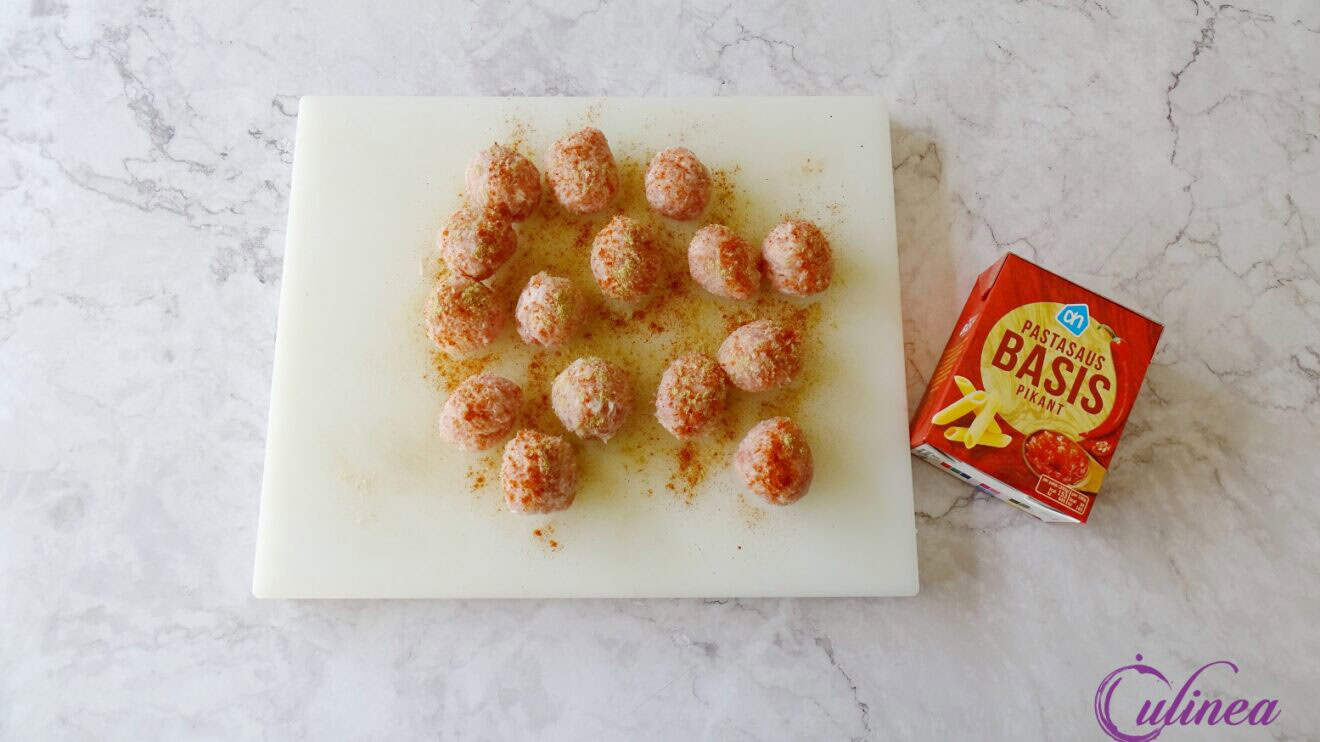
x=774, y=461
x=592, y=398
x=677, y=184
x=538, y=473
x=480, y=412
x=550, y=309
x=692, y=393
x=724, y=263
x=501, y=179
x=624, y=260
x=761, y=355
x=581, y=172
x=463, y=317
x=476, y=243
x=798, y=259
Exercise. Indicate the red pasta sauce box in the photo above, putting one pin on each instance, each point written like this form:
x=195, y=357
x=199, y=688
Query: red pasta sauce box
x=1034, y=387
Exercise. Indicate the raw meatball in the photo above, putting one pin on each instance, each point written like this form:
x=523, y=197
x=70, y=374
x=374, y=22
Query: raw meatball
x=692, y=394
x=480, y=412
x=463, y=317
x=774, y=461
x=501, y=179
x=538, y=473
x=724, y=263
x=580, y=170
x=592, y=398
x=677, y=184
x=798, y=259
x=476, y=243
x=550, y=309
x=761, y=355
x=624, y=260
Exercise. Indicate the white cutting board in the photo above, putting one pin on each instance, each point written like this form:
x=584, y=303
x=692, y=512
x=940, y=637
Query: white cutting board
x=361, y=499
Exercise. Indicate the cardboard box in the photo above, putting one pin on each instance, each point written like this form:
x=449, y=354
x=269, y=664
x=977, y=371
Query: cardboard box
x=1034, y=387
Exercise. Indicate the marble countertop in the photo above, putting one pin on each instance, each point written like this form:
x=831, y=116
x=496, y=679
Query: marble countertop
x=1167, y=157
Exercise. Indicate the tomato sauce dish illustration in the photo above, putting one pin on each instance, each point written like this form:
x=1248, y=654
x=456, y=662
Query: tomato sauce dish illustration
x=1052, y=454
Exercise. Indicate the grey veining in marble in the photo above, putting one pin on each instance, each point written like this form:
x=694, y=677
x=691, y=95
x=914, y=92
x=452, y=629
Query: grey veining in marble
x=1165, y=154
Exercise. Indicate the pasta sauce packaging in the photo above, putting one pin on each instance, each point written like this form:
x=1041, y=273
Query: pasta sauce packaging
x=1033, y=390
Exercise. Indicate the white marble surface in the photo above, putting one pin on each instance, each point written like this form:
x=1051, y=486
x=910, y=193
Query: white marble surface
x=1169, y=157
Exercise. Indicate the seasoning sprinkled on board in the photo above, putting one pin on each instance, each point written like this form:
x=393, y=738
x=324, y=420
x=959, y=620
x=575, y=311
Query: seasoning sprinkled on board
x=450, y=372
x=546, y=535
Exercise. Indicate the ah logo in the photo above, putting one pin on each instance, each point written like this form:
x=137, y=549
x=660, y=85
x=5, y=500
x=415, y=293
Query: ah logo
x=1075, y=318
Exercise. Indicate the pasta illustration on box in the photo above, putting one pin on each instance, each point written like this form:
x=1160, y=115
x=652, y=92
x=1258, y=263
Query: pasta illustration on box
x=1033, y=390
